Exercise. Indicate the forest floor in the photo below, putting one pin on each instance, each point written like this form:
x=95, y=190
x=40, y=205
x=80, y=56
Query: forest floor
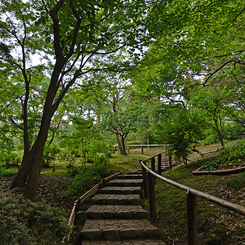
x=215, y=224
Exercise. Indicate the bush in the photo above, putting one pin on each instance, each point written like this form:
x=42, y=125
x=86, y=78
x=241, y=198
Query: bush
x=7, y=171
x=9, y=158
x=84, y=178
x=228, y=155
x=9, y=161
x=26, y=222
x=49, y=155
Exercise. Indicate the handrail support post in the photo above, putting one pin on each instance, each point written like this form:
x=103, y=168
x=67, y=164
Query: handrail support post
x=170, y=161
x=152, y=198
x=145, y=182
x=159, y=158
x=191, y=218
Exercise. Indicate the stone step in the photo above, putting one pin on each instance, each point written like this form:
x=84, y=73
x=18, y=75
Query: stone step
x=113, y=212
x=118, y=229
x=116, y=199
x=129, y=176
x=120, y=190
x=125, y=242
x=125, y=182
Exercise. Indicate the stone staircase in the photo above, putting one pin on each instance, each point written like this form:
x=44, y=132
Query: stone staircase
x=116, y=215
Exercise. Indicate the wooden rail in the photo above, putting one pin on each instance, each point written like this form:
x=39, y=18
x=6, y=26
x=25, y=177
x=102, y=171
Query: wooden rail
x=141, y=146
x=82, y=199
x=149, y=176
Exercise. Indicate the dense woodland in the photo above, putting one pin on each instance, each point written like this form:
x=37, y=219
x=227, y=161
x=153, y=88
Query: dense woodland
x=78, y=77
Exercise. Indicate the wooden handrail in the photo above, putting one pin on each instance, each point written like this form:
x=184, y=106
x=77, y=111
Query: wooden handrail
x=82, y=199
x=149, y=158
x=191, y=195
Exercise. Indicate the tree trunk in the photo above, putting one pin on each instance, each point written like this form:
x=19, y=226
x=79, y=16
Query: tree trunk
x=219, y=133
x=121, y=144
x=36, y=165
x=32, y=164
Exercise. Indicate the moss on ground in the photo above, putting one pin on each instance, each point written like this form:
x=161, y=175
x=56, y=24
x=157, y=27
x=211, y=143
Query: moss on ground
x=216, y=225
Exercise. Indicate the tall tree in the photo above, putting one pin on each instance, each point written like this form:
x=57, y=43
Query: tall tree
x=74, y=38
x=119, y=114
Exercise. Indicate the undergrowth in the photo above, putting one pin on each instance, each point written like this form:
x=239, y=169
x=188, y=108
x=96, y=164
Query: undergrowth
x=26, y=222
x=229, y=156
x=84, y=177
x=236, y=182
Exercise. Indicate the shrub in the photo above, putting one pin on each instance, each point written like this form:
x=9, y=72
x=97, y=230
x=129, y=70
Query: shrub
x=84, y=178
x=26, y=222
x=9, y=158
x=233, y=152
x=228, y=155
x=7, y=171
x=49, y=155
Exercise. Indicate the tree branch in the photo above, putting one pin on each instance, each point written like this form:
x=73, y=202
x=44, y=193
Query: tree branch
x=56, y=30
x=233, y=60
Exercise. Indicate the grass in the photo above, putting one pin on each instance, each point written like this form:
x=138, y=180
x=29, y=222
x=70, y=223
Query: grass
x=117, y=163
x=216, y=225
x=126, y=163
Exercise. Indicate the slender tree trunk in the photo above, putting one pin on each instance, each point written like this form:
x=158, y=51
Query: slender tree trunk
x=219, y=133
x=121, y=144
x=148, y=140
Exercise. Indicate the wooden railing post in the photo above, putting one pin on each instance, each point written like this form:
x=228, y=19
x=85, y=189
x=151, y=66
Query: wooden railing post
x=153, y=164
x=159, y=162
x=145, y=182
x=191, y=218
x=170, y=162
x=153, y=168
x=152, y=199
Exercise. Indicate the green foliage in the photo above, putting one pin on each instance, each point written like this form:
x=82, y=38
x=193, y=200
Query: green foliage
x=9, y=161
x=85, y=143
x=228, y=156
x=49, y=155
x=7, y=171
x=211, y=165
x=180, y=128
x=235, y=152
x=10, y=158
x=230, y=130
x=84, y=178
x=25, y=222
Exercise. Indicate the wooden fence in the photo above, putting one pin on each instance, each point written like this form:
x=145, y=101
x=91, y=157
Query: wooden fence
x=149, y=176
x=140, y=146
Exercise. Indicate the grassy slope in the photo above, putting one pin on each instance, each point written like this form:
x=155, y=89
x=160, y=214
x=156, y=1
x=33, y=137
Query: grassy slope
x=216, y=225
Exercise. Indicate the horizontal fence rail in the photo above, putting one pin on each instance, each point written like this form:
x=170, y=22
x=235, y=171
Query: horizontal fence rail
x=141, y=146
x=149, y=176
